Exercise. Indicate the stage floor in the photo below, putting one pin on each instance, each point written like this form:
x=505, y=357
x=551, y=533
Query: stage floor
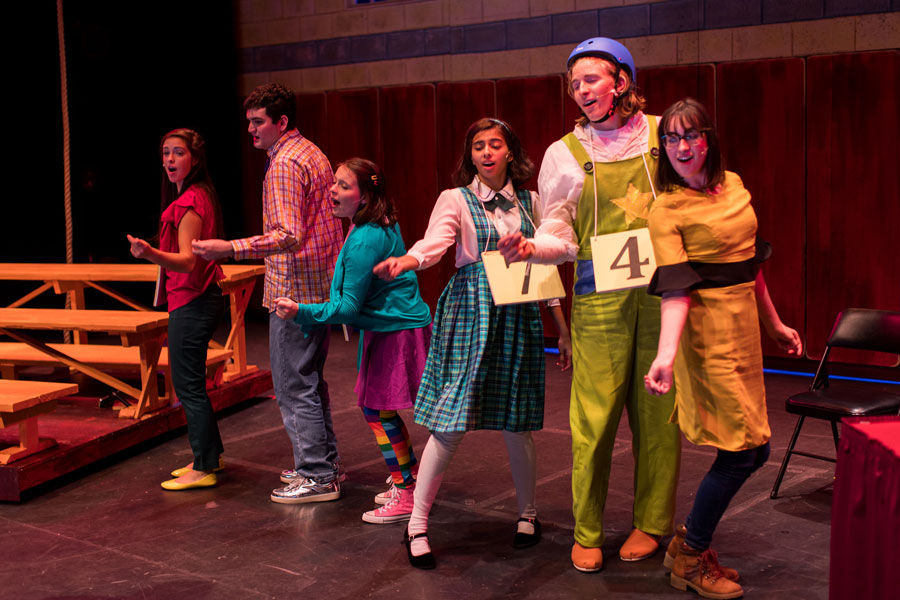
x=109, y=531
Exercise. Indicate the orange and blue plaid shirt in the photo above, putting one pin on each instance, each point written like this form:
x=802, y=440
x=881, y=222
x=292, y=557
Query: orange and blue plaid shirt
x=302, y=238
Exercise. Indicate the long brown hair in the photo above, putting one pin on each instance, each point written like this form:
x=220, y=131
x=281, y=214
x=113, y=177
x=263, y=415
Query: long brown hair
x=520, y=168
x=378, y=207
x=692, y=115
x=198, y=175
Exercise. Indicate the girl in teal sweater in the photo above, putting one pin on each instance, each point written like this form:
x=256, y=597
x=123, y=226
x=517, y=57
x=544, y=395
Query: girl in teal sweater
x=394, y=324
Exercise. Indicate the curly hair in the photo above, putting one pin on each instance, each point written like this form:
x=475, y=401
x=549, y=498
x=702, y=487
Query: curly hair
x=520, y=168
x=277, y=100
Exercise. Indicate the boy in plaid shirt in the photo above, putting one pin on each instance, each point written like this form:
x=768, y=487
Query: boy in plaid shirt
x=300, y=244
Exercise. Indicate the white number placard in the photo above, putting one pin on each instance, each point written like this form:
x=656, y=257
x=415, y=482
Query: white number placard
x=519, y=282
x=623, y=260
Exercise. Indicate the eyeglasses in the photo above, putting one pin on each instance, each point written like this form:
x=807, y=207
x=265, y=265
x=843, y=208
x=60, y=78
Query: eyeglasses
x=692, y=137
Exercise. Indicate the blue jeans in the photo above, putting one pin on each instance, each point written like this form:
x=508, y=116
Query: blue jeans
x=190, y=328
x=298, y=362
x=726, y=476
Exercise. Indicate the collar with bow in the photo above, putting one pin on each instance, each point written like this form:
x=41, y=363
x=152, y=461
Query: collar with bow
x=499, y=200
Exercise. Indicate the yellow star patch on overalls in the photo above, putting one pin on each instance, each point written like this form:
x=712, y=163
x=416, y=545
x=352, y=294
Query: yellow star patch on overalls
x=636, y=204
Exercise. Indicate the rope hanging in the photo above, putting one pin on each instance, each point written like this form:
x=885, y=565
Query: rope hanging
x=67, y=174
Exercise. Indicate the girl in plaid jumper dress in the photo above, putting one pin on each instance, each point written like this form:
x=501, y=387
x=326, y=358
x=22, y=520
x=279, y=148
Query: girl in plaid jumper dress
x=485, y=368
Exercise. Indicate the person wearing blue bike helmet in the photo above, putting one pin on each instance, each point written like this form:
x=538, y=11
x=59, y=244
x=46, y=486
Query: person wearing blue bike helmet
x=597, y=180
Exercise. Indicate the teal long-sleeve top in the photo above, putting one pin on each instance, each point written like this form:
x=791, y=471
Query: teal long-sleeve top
x=362, y=300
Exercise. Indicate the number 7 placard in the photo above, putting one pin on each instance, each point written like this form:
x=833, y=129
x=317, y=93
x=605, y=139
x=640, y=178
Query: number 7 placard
x=622, y=260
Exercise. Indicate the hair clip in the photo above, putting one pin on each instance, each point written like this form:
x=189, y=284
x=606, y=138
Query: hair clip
x=374, y=179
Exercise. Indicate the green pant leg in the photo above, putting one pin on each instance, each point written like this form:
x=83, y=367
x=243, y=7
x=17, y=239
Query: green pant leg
x=656, y=443
x=602, y=336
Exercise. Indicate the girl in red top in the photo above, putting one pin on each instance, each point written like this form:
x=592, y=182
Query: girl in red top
x=188, y=283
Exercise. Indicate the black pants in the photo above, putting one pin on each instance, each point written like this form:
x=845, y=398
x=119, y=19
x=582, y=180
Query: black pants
x=191, y=328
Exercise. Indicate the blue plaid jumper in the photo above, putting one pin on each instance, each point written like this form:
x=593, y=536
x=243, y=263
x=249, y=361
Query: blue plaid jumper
x=485, y=367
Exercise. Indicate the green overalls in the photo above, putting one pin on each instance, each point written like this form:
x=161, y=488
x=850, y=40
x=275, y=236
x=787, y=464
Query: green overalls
x=614, y=341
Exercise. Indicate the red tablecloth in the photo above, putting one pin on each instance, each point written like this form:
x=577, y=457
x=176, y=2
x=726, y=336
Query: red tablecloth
x=865, y=511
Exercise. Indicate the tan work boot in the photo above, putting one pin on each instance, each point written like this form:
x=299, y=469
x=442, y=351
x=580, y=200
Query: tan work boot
x=672, y=552
x=701, y=572
x=587, y=560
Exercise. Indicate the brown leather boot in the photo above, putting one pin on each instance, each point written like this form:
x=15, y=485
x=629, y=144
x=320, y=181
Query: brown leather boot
x=672, y=552
x=701, y=572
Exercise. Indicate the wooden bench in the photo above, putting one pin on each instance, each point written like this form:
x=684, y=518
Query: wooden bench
x=144, y=330
x=73, y=279
x=20, y=403
x=17, y=354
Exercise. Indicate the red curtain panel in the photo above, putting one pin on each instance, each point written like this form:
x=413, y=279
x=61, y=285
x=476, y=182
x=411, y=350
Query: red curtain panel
x=853, y=191
x=760, y=122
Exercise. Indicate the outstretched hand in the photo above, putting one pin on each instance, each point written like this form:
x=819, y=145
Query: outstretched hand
x=388, y=269
x=515, y=247
x=139, y=248
x=212, y=250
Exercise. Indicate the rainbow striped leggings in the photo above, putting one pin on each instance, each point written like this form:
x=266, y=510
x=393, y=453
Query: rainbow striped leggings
x=394, y=443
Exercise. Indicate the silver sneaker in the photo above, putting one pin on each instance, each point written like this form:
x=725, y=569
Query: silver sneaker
x=306, y=490
x=290, y=475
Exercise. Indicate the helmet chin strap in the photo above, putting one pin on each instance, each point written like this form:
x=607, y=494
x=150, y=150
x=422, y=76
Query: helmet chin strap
x=610, y=112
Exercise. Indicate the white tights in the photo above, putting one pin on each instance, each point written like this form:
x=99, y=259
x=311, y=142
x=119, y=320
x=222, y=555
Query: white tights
x=437, y=454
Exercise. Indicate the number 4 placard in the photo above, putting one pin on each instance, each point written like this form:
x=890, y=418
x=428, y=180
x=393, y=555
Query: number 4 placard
x=623, y=260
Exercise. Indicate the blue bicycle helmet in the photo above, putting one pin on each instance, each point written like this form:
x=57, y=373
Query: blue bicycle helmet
x=607, y=49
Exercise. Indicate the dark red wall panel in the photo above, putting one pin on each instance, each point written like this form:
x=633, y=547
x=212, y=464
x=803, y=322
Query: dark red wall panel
x=662, y=86
x=760, y=122
x=312, y=120
x=410, y=165
x=458, y=106
x=353, y=125
x=853, y=183
x=534, y=109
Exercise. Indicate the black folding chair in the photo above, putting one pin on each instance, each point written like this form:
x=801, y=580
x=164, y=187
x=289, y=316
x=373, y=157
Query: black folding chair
x=861, y=329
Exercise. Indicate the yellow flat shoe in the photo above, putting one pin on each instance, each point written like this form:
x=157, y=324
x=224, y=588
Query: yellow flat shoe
x=206, y=481
x=179, y=472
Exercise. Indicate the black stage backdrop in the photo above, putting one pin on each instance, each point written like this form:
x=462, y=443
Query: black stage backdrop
x=135, y=71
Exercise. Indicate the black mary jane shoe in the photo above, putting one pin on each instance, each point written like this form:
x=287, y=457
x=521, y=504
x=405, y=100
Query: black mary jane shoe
x=527, y=540
x=425, y=561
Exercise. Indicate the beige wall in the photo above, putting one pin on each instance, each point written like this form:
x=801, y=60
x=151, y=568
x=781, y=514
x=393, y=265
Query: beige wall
x=270, y=22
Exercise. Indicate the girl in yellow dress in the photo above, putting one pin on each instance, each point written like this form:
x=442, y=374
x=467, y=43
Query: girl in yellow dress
x=704, y=236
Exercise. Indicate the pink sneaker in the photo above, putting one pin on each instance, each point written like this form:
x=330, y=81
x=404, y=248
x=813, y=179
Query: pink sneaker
x=387, y=495
x=398, y=509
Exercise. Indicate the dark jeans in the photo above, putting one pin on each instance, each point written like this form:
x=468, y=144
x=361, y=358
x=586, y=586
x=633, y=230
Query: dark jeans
x=726, y=476
x=298, y=364
x=190, y=328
